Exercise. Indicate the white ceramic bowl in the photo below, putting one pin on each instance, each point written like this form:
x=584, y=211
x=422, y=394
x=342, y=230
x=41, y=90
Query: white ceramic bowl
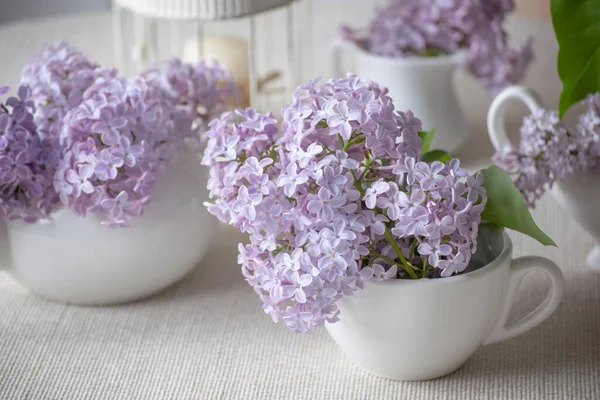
x=76, y=260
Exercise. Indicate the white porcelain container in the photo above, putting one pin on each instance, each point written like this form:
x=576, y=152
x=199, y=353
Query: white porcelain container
x=579, y=194
x=200, y=9
x=74, y=259
x=417, y=330
x=423, y=85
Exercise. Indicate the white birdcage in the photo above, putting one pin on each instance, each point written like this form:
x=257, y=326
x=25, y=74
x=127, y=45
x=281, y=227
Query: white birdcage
x=260, y=41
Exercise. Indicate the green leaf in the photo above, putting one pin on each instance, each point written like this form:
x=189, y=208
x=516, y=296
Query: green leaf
x=432, y=52
x=577, y=27
x=427, y=138
x=505, y=206
x=436, y=155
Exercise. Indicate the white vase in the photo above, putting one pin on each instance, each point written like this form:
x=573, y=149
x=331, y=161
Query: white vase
x=76, y=260
x=417, y=330
x=578, y=194
x=423, y=85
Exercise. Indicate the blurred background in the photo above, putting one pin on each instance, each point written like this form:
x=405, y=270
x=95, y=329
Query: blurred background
x=130, y=41
x=14, y=10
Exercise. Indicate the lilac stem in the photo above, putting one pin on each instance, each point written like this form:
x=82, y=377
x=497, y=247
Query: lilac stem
x=405, y=264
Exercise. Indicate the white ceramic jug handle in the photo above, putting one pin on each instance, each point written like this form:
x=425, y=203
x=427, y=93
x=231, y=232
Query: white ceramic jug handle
x=521, y=267
x=495, y=119
x=337, y=45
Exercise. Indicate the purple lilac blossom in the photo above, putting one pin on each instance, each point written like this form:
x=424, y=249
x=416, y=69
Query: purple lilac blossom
x=548, y=152
x=58, y=77
x=416, y=28
x=117, y=143
x=328, y=206
x=202, y=90
x=81, y=135
x=28, y=161
x=588, y=129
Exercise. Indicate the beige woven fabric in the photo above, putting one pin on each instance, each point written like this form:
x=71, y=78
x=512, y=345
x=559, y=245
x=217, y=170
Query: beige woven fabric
x=207, y=337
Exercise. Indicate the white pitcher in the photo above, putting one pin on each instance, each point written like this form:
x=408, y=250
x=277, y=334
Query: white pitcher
x=578, y=194
x=423, y=85
x=74, y=259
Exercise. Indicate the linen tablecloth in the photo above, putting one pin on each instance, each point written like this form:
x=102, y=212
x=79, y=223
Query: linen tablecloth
x=207, y=337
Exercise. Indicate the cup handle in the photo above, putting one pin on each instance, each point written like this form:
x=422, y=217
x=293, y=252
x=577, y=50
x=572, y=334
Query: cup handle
x=495, y=118
x=519, y=268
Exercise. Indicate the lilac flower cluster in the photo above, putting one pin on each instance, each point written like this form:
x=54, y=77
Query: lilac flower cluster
x=117, y=142
x=81, y=135
x=408, y=28
x=201, y=90
x=588, y=129
x=27, y=161
x=549, y=152
x=337, y=194
x=58, y=76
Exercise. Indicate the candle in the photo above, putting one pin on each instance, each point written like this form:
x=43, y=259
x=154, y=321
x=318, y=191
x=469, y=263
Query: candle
x=534, y=8
x=228, y=50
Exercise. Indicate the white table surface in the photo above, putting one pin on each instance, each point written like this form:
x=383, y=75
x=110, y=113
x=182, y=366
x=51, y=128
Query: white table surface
x=207, y=337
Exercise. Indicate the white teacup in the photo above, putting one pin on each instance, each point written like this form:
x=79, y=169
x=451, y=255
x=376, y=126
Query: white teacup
x=417, y=330
x=423, y=85
x=578, y=194
x=74, y=259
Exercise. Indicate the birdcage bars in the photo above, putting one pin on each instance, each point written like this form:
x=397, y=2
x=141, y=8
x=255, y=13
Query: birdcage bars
x=148, y=31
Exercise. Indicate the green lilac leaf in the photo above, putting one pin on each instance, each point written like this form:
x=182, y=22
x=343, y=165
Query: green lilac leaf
x=432, y=53
x=577, y=27
x=427, y=138
x=436, y=155
x=505, y=206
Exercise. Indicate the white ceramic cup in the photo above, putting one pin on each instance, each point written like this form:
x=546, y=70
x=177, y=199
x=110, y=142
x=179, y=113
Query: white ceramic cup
x=423, y=85
x=578, y=194
x=424, y=329
x=74, y=259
